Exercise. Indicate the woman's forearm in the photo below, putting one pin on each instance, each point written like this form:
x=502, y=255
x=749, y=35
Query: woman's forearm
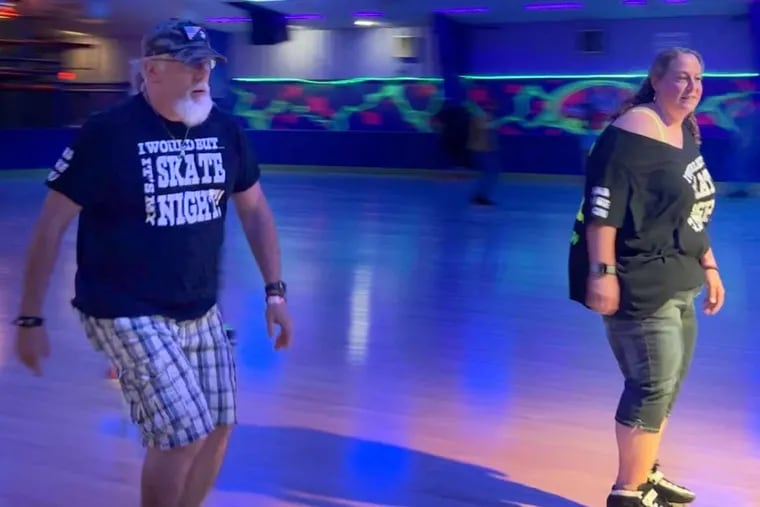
x=601, y=244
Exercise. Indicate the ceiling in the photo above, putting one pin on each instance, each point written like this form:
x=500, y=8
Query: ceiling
x=125, y=15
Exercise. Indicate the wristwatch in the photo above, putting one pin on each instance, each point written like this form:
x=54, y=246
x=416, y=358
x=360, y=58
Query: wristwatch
x=24, y=321
x=604, y=269
x=278, y=288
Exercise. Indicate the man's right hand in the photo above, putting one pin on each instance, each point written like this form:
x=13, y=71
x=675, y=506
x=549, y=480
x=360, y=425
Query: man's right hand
x=32, y=346
x=58, y=211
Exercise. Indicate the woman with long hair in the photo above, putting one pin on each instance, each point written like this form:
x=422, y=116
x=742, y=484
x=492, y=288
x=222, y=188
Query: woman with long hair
x=639, y=256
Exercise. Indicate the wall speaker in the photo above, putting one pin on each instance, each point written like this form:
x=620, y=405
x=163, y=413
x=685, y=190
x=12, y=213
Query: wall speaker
x=406, y=46
x=590, y=41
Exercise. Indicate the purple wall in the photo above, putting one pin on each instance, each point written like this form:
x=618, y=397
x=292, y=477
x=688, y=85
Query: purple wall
x=333, y=54
x=539, y=48
x=533, y=48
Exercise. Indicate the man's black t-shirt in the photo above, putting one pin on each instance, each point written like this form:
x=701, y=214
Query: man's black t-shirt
x=154, y=198
x=660, y=198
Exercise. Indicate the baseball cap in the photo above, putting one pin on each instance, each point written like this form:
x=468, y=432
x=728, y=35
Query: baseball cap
x=183, y=39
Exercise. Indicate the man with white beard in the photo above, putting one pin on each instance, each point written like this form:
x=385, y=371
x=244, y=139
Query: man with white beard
x=150, y=181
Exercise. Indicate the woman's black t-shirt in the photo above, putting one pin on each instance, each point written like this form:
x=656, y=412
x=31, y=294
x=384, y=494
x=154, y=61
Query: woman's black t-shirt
x=660, y=198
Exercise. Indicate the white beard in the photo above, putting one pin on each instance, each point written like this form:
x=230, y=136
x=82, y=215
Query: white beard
x=194, y=112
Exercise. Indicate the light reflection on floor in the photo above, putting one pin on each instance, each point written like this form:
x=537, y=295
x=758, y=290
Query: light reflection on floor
x=437, y=361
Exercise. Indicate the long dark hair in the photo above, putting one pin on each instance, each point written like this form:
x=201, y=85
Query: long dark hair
x=645, y=93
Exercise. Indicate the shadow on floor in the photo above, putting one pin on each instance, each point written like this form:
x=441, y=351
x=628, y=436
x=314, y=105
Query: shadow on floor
x=297, y=464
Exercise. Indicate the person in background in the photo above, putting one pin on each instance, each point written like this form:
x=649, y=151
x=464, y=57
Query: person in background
x=483, y=144
x=744, y=155
x=593, y=120
x=640, y=254
x=150, y=181
x=451, y=122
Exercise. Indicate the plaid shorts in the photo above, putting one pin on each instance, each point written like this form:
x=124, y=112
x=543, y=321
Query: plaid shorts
x=178, y=377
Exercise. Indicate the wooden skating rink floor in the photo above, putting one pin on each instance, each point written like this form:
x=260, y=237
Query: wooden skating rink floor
x=437, y=361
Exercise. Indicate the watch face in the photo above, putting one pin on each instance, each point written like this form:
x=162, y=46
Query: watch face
x=28, y=322
x=276, y=287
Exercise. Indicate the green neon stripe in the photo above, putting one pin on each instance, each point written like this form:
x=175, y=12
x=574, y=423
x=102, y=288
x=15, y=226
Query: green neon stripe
x=602, y=76
x=515, y=77
x=334, y=81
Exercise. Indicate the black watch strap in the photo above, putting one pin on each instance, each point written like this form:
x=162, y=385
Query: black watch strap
x=605, y=269
x=278, y=288
x=26, y=321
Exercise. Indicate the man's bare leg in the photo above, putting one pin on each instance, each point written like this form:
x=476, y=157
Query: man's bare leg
x=164, y=474
x=205, y=467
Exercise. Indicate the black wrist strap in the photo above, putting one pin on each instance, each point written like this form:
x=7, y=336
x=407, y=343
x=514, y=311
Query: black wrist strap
x=278, y=288
x=28, y=321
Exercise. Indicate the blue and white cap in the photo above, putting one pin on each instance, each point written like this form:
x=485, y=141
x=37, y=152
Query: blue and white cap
x=180, y=38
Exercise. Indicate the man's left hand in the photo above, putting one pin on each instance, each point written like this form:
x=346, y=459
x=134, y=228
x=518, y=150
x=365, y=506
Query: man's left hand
x=277, y=313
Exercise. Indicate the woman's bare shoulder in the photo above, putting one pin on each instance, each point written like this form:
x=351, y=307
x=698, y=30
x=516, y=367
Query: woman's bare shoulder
x=640, y=120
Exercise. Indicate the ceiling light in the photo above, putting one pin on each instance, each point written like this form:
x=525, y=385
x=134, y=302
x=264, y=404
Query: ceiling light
x=559, y=6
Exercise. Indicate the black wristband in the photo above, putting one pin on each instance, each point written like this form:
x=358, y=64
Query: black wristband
x=278, y=288
x=604, y=269
x=27, y=321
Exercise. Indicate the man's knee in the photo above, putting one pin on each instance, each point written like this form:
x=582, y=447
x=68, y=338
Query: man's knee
x=219, y=434
x=165, y=473
x=177, y=460
x=177, y=456
x=217, y=441
x=222, y=432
